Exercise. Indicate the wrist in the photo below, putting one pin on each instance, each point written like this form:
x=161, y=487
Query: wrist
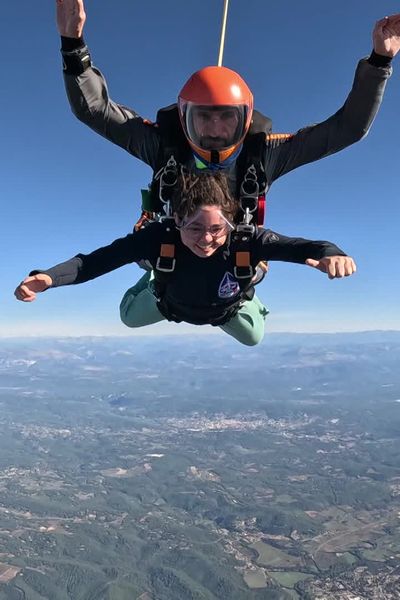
x=42, y=277
x=46, y=279
x=68, y=44
x=379, y=60
x=76, y=60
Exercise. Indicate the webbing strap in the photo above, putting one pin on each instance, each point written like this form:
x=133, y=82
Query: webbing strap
x=243, y=268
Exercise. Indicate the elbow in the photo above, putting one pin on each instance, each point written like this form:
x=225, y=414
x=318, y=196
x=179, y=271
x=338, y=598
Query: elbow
x=351, y=137
x=81, y=111
x=357, y=134
x=361, y=134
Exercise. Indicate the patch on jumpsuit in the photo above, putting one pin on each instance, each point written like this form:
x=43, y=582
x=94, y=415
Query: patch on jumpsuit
x=228, y=287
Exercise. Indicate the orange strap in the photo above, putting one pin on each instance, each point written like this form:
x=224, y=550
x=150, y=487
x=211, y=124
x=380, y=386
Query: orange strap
x=242, y=259
x=167, y=250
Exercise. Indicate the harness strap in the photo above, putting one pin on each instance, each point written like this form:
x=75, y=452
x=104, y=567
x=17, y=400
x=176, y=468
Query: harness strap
x=172, y=313
x=243, y=268
x=166, y=261
x=252, y=182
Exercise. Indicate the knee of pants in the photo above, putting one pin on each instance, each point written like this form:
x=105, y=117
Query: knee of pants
x=139, y=309
x=252, y=338
x=125, y=315
x=128, y=313
x=245, y=330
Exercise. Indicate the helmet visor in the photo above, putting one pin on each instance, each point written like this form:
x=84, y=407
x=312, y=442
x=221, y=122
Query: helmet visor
x=215, y=127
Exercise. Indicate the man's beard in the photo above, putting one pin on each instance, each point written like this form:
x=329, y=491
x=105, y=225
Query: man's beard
x=214, y=143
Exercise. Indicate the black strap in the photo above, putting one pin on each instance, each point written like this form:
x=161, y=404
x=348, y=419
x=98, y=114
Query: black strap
x=174, y=143
x=173, y=140
x=166, y=260
x=253, y=154
x=76, y=61
x=172, y=313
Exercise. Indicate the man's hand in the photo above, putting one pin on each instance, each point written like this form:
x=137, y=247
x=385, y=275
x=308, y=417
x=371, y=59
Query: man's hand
x=386, y=36
x=71, y=18
x=30, y=286
x=334, y=266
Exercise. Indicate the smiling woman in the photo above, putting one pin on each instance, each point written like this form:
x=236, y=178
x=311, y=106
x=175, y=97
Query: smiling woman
x=206, y=231
x=197, y=262
x=204, y=212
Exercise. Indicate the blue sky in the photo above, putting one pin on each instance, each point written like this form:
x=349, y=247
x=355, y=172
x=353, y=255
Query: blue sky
x=66, y=190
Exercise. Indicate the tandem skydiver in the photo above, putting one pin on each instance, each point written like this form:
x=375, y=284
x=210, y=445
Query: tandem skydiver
x=212, y=277
x=214, y=113
x=213, y=126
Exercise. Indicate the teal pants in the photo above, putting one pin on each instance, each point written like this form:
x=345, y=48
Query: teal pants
x=139, y=308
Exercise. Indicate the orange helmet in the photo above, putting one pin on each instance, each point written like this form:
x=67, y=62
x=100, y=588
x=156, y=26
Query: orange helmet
x=215, y=107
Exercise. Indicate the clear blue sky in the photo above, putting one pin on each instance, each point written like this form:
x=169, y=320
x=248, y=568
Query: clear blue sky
x=66, y=190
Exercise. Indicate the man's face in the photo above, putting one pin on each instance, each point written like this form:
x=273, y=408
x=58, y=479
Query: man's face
x=205, y=231
x=215, y=127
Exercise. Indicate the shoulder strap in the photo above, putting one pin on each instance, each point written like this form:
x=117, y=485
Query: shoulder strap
x=260, y=124
x=253, y=152
x=174, y=149
x=251, y=189
x=173, y=140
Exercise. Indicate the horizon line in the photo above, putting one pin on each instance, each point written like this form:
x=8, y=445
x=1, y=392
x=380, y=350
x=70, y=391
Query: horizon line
x=186, y=334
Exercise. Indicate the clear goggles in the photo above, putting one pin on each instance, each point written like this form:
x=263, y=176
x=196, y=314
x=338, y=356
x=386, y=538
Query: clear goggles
x=215, y=127
x=195, y=230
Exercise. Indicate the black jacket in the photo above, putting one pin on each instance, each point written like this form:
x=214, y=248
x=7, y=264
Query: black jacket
x=199, y=289
x=90, y=102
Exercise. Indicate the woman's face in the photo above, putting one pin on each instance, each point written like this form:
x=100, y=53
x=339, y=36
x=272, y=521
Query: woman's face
x=205, y=231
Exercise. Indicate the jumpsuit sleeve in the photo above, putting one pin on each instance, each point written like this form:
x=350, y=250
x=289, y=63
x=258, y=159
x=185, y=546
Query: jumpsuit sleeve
x=90, y=102
x=348, y=125
x=84, y=267
x=277, y=247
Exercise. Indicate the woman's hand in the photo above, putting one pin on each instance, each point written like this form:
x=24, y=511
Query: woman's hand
x=334, y=266
x=30, y=286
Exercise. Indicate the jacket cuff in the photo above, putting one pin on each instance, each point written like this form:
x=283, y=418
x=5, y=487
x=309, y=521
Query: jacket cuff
x=76, y=60
x=377, y=60
x=69, y=44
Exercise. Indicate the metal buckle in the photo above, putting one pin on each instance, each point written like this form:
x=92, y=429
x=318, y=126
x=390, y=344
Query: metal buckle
x=168, y=178
x=166, y=217
x=166, y=264
x=245, y=228
x=243, y=272
x=249, y=191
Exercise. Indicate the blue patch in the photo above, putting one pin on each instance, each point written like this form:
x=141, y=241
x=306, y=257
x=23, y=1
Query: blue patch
x=228, y=287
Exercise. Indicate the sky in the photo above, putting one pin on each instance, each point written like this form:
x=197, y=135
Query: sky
x=65, y=190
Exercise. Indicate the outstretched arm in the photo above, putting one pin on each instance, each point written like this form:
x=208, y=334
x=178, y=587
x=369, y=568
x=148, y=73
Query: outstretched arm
x=88, y=94
x=353, y=120
x=84, y=267
x=322, y=255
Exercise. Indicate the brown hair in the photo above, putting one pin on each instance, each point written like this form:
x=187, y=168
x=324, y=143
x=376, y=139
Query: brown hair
x=194, y=190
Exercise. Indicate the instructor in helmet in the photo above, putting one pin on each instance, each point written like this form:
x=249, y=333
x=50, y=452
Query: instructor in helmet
x=216, y=107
